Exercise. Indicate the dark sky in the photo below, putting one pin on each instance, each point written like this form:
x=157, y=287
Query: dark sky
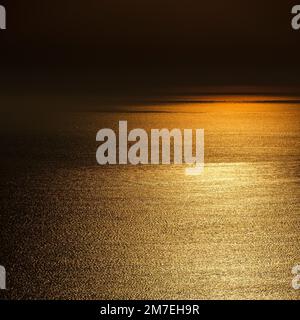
x=153, y=44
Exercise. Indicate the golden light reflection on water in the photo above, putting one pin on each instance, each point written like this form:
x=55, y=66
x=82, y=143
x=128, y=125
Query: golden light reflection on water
x=154, y=231
x=227, y=233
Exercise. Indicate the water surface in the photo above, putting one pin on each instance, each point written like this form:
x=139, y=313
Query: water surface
x=73, y=229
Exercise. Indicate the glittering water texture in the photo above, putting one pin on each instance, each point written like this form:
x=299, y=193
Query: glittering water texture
x=72, y=229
